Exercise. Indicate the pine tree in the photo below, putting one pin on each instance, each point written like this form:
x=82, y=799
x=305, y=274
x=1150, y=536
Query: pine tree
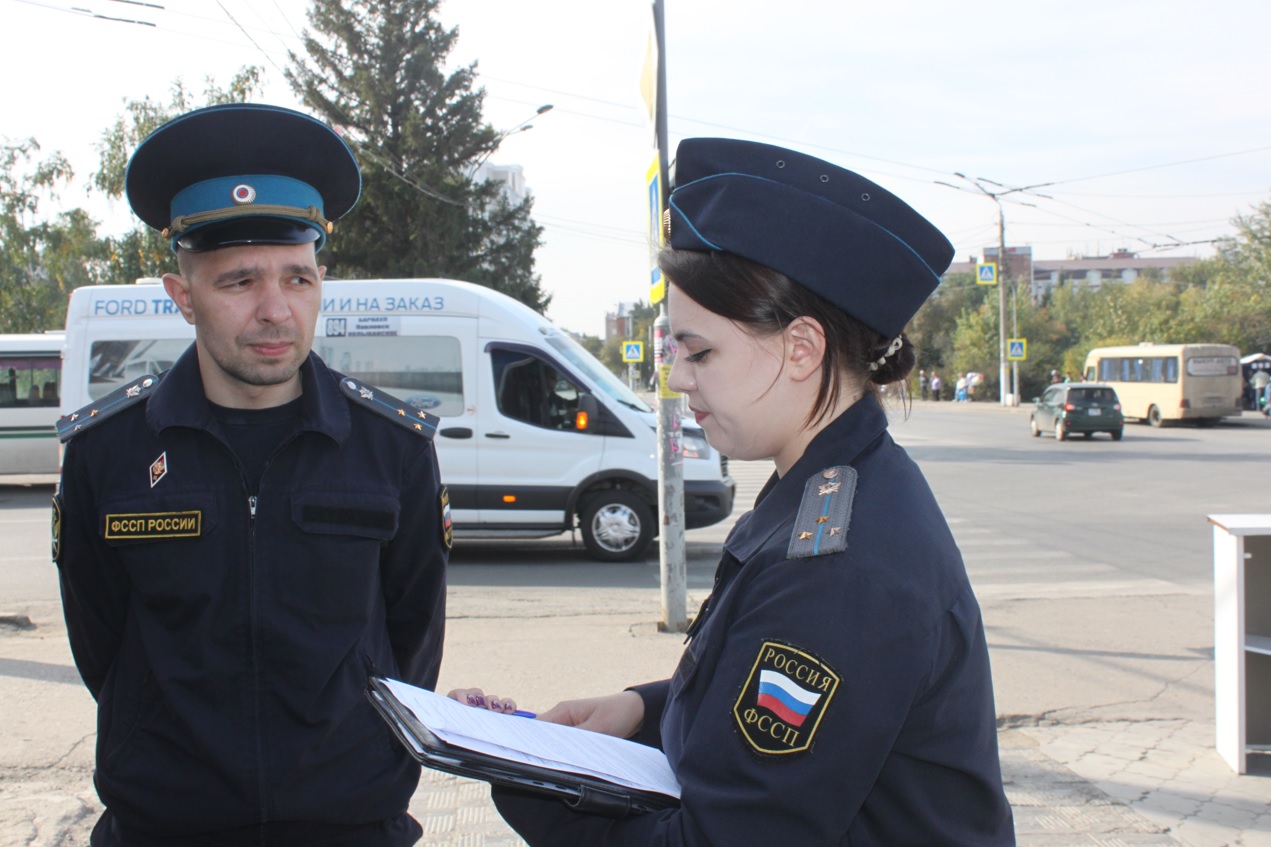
x=375, y=72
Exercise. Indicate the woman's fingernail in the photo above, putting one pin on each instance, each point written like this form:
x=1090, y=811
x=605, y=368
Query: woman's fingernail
x=472, y=701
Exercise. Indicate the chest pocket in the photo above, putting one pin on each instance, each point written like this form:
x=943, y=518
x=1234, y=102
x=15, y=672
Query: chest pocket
x=359, y=514
x=174, y=518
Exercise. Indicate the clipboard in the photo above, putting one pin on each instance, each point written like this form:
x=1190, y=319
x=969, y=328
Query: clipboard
x=582, y=792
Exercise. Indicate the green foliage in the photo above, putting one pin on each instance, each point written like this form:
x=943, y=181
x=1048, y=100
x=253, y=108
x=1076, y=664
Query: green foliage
x=41, y=259
x=142, y=252
x=932, y=329
x=1226, y=299
x=375, y=71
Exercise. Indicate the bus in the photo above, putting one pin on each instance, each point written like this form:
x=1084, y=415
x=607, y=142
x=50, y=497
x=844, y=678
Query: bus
x=30, y=393
x=1161, y=383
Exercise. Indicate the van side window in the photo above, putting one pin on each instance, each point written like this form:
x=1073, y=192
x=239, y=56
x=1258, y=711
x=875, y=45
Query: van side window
x=424, y=370
x=113, y=363
x=529, y=389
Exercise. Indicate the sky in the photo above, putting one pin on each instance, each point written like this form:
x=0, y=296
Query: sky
x=1144, y=124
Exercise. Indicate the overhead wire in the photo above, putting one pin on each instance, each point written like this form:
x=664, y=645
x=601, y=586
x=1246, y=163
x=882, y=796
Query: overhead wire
x=630, y=107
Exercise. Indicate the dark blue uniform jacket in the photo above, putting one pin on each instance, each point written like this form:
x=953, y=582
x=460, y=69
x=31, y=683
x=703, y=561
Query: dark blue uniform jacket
x=883, y=732
x=227, y=634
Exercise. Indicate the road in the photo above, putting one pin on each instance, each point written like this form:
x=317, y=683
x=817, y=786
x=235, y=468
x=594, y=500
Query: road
x=1092, y=561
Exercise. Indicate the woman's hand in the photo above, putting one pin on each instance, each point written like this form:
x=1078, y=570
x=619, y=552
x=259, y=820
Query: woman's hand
x=478, y=699
x=619, y=715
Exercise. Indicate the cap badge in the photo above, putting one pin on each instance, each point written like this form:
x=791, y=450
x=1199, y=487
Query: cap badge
x=243, y=194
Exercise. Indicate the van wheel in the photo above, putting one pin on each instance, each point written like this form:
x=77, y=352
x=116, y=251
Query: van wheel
x=1032, y=425
x=1116, y=434
x=617, y=525
x=1154, y=416
x=1060, y=432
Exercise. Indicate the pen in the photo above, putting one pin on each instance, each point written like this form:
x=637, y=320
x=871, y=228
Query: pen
x=520, y=713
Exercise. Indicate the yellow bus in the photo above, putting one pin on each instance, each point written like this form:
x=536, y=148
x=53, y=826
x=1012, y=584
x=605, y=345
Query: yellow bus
x=1160, y=383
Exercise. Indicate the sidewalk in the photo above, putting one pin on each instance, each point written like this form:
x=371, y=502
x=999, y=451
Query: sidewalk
x=1117, y=783
x=1119, y=774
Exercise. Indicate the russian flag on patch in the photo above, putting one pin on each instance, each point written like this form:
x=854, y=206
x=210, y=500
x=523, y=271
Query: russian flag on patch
x=785, y=698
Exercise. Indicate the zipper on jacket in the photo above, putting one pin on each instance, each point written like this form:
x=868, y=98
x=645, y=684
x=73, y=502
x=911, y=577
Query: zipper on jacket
x=251, y=505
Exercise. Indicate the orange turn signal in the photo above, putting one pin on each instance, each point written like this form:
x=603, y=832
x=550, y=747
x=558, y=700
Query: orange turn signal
x=580, y=421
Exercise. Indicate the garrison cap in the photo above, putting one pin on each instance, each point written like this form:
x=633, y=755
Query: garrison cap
x=242, y=173
x=832, y=231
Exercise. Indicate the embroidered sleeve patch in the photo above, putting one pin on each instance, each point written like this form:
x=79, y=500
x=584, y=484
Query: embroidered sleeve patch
x=447, y=526
x=138, y=526
x=785, y=696
x=57, y=528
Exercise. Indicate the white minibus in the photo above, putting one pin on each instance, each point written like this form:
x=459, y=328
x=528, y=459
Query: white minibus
x=30, y=387
x=517, y=457
x=1160, y=383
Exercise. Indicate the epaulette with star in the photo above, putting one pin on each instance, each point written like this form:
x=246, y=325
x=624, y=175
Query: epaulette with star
x=824, y=514
x=383, y=403
x=105, y=407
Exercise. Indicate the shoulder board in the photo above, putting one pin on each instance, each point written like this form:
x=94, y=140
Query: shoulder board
x=825, y=512
x=382, y=403
x=105, y=407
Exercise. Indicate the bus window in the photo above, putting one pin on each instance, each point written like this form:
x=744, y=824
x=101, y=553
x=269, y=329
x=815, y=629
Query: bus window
x=29, y=381
x=1212, y=366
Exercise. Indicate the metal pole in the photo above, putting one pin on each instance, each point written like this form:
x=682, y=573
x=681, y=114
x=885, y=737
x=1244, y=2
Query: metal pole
x=1015, y=334
x=673, y=569
x=1001, y=293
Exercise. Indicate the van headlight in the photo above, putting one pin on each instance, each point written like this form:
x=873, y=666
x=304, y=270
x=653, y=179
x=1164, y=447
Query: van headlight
x=696, y=447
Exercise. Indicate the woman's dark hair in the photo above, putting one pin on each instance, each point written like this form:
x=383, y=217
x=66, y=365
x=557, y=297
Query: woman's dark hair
x=764, y=302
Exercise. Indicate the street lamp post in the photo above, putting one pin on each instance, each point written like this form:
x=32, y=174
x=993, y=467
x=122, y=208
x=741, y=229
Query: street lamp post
x=996, y=196
x=498, y=139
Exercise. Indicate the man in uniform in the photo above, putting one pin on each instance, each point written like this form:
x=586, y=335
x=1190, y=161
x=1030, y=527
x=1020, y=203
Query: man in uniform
x=243, y=540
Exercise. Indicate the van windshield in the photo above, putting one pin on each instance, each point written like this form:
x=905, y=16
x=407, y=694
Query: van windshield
x=578, y=356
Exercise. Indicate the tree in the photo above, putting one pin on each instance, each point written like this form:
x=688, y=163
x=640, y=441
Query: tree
x=375, y=72
x=142, y=252
x=932, y=330
x=642, y=317
x=41, y=260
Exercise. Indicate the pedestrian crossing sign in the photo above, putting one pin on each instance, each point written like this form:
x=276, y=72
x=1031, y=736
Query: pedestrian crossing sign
x=1016, y=349
x=986, y=273
x=633, y=351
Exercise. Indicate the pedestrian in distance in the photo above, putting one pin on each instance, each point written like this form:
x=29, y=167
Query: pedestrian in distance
x=960, y=389
x=836, y=686
x=242, y=540
x=936, y=385
x=924, y=384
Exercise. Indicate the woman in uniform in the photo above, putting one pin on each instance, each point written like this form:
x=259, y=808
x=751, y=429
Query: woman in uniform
x=836, y=687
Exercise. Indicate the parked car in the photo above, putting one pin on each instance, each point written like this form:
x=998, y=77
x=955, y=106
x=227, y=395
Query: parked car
x=1071, y=407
